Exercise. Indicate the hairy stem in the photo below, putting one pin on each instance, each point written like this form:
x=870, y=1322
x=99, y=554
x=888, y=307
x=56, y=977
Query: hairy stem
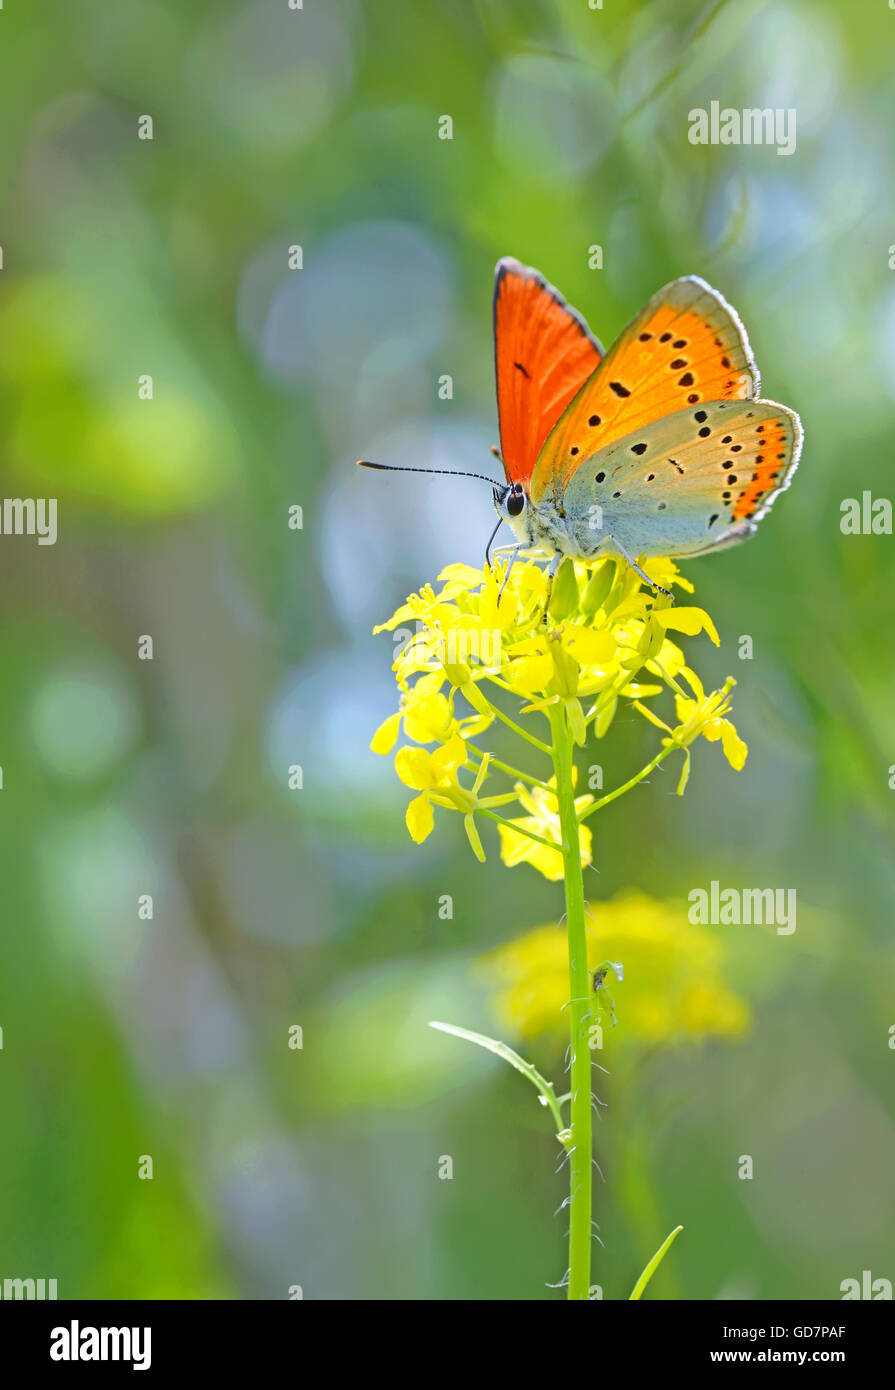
x=580, y=1146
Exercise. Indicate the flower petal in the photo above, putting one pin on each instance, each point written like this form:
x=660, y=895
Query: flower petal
x=529, y=674
x=414, y=767
x=688, y=620
x=467, y=575
x=386, y=736
x=589, y=646
x=515, y=848
x=419, y=819
x=448, y=758
x=427, y=719
x=735, y=750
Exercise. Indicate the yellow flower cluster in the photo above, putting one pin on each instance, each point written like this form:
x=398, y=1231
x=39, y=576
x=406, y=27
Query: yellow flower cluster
x=673, y=991
x=485, y=637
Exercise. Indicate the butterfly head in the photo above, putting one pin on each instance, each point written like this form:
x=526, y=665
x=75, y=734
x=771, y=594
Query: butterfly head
x=510, y=502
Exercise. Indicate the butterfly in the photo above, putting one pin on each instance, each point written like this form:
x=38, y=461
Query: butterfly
x=659, y=447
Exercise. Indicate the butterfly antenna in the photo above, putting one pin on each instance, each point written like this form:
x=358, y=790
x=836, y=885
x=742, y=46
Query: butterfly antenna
x=451, y=472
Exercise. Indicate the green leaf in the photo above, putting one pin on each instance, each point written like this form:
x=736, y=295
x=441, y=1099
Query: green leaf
x=501, y=1049
x=654, y=1263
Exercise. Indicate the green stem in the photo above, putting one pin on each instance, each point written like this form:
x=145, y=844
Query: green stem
x=519, y=829
x=523, y=733
x=512, y=771
x=670, y=681
x=632, y=782
x=580, y=1114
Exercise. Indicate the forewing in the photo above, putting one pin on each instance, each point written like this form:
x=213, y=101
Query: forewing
x=543, y=351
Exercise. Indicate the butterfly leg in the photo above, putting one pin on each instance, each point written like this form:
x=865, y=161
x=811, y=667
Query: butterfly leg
x=616, y=548
x=510, y=563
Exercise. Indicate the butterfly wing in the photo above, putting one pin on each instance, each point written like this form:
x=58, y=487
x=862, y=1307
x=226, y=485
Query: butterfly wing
x=543, y=352
x=687, y=346
x=690, y=482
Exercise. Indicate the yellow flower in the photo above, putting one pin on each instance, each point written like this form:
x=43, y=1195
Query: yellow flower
x=425, y=772
x=593, y=640
x=602, y=629
x=673, y=989
x=434, y=776
x=427, y=716
x=704, y=715
x=425, y=713
x=543, y=820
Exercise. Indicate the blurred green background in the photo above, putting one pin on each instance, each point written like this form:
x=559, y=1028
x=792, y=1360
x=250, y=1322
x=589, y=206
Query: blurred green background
x=122, y=1037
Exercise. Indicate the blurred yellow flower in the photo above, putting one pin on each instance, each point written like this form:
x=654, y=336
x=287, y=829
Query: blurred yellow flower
x=673, y=991
x=542, y=819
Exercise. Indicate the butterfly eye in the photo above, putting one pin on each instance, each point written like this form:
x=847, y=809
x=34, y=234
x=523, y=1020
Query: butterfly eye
x=516, y=502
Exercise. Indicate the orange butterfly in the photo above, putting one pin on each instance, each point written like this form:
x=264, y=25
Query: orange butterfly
x=660, y=447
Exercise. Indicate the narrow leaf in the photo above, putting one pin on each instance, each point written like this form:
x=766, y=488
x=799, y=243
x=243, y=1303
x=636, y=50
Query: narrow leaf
x=654, y=1263
x=500, y=1049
